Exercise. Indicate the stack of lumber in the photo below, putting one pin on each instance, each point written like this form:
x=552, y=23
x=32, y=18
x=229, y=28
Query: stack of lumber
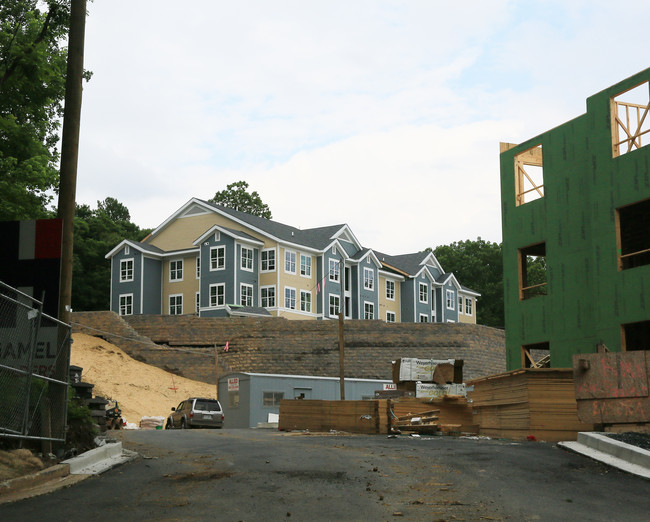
x=429, y=378
x=538, y=402
x=425, y=422
x=454, y=415
x=371, y=417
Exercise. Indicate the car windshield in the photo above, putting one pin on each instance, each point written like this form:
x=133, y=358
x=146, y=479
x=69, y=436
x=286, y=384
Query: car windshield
x=204, y=405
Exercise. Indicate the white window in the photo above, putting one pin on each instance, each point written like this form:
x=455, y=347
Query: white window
x=305, y=265
x=289, y=262
x=247, y=259
x=390, y=289
x=218, y=258
x=289, y=298
x=335, y=270
x=197, y=302
x=126, y=304
x=305, y=301
x=217, y=295
x=176, y=270
x=424, y=318
x=176, y=304
x=268, y=260
x=424, y=292
x=390, y=317
x=268, y=296
x=460, y=304
x=246, y=295
x=198, y=267
x=126, y=270
x=469, y=306
x=217, y=236
x=335, y=305
x=127, y=250
x=368, y=310
x=450, y=299
x=368, y=278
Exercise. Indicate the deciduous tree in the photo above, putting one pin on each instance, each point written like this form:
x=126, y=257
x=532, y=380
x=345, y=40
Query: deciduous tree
x=32, y=88
x=237, y=197
x=478, y=265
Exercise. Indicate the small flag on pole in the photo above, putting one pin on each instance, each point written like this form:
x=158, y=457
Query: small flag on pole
x=225, y=348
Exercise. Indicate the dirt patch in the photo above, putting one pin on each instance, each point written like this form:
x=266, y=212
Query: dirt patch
x=142, y=390
x=16, y=463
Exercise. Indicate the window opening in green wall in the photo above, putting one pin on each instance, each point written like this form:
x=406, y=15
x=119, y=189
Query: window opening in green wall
x=633, y=235
x=635, y=336
x=532, y=271
x=536, y=355
x=529, y=175
x=630, y=119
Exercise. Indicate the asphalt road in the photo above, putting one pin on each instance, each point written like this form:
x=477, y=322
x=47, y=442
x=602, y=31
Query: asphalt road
x=268, y=475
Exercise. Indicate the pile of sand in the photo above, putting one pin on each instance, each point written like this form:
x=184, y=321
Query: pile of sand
x=142, y=390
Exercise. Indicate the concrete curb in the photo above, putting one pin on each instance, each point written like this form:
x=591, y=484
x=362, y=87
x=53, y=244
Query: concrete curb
x=96, y=460
x=66, y=473
x=612, y=452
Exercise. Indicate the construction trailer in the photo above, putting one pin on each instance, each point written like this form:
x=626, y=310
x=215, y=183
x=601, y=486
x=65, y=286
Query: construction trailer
x=247, y=399
x=576, y=232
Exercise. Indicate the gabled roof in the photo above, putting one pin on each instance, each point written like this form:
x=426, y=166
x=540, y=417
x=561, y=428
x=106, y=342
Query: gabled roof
x=237, y=234
x=141, y=247
x=318, y=238
x=411, y=264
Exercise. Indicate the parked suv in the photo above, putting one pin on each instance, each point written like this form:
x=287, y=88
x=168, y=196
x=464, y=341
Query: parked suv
x=196, y=412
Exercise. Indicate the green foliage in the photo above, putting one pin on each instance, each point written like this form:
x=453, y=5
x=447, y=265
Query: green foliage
x=81, y=427
x=237, y=197
x=478, y=265
x=32, y=88
x=96, y=232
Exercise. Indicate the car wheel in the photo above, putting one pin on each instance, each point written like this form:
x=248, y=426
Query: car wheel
x=183, y=425
x=168, y=426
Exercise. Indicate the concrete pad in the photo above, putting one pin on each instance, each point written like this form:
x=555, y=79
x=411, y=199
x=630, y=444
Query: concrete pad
x=620, y=455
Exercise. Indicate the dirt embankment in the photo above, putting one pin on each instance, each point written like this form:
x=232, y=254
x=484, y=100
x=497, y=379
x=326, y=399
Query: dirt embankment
x=142, y=390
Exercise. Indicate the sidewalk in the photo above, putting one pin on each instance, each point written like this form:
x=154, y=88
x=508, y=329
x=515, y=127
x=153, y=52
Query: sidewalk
x=68, y=472
x=602, y=448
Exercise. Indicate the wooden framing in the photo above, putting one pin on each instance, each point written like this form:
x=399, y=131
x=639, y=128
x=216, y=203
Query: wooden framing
x=527, y=186
x=630, y=121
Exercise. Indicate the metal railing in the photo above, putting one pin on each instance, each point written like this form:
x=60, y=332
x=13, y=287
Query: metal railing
x=34, y=364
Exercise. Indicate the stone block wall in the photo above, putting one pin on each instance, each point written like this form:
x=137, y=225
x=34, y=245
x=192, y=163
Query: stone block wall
x=187, y=344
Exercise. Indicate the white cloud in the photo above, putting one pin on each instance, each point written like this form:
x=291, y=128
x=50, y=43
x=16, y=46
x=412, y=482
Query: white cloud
x=386, y=115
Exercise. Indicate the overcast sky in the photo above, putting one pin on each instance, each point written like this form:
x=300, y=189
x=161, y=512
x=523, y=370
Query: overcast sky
x=385, y=115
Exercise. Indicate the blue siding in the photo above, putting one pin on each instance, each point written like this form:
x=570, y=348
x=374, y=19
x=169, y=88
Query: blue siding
x=366, y=295
x=210, y=277
x=152, y=274
x=246, y=277
x=127, y=287
x=422, y=308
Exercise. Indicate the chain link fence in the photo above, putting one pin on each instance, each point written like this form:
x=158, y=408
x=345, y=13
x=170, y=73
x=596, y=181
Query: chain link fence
x=34, y=364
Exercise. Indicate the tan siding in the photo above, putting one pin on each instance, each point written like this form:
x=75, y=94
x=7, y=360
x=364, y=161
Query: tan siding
x=187, y=287
x=386, y=305
x=471, y=319
x=298, y=282
x=182, y=232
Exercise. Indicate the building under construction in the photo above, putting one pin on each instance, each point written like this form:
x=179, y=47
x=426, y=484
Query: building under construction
x=576, y=232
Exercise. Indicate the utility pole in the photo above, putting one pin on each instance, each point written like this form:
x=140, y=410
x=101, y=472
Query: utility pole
x=341, y=336
x=70, y=150
x=67, y=191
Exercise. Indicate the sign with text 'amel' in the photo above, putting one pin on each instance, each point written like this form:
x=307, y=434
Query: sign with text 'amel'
x=233, y=384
